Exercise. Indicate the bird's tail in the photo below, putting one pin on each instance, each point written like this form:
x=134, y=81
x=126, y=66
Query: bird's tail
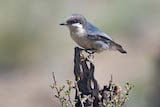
x=118, y=47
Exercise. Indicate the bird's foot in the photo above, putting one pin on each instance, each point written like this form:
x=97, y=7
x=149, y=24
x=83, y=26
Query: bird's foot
x=90, y=51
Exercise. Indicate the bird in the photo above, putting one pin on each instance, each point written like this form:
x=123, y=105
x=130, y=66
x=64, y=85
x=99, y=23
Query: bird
x=88, y=36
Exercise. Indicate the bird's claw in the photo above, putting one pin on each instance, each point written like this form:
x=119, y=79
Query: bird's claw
x=89, y=51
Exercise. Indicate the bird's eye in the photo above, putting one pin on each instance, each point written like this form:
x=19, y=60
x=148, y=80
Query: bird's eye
x=75, y=21
x=71, y=22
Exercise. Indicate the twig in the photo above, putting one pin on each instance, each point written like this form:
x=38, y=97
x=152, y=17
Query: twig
x=57, y=90
x=68, y=95
x=70, y=101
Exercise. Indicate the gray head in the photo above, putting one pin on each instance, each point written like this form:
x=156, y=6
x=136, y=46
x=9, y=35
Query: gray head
x=75, y=21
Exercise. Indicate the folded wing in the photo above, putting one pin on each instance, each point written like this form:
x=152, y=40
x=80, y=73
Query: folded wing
x=95, y=34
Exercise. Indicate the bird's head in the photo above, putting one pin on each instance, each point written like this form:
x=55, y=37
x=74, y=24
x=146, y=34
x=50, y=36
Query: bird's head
x=75, y=21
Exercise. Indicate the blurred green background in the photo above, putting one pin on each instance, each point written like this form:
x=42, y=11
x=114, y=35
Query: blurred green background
x=33, y=45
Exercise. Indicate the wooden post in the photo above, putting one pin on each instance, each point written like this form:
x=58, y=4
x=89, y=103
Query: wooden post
x=86, y=82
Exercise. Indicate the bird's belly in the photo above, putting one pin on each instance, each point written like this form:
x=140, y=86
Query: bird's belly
x=86, y=43
x=82, y=41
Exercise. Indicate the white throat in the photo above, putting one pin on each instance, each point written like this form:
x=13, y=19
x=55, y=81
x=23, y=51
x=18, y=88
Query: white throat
x=77, y=28
x=78, y=25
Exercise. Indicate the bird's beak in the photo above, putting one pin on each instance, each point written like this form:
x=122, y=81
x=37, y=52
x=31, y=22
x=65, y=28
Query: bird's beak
x=63, y=23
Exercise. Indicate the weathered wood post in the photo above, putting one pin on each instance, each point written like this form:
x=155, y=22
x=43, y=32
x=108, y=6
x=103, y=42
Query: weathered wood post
x=84, y=75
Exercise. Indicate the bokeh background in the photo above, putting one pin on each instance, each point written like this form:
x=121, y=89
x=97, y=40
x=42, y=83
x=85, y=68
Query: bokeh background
x=33, y=45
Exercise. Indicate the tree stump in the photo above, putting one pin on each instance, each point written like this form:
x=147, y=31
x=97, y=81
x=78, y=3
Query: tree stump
x=86, y=82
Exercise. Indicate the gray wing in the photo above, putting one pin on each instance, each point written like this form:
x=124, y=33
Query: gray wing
x=92, y=30
x=95, y=34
